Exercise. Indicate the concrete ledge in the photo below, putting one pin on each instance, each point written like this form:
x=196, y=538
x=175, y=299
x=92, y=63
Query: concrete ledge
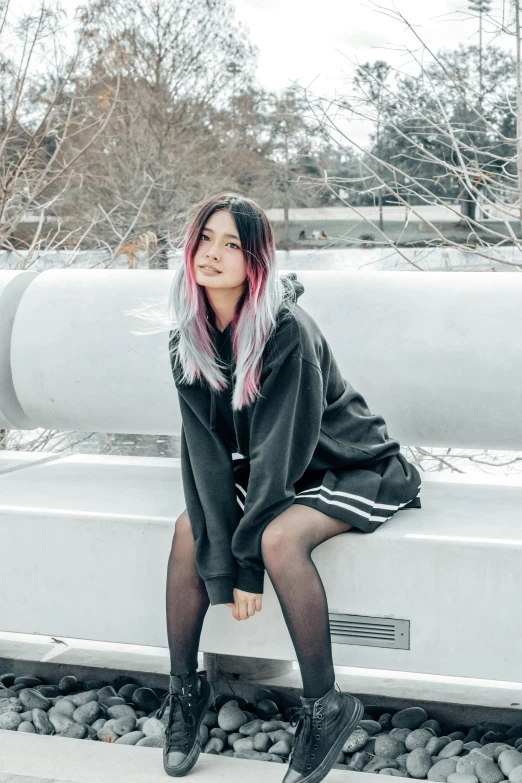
x=81, y=761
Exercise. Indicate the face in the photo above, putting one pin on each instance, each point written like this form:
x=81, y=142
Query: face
x=219, y=246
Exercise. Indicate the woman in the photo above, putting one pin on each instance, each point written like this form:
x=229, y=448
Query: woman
x=256, y=377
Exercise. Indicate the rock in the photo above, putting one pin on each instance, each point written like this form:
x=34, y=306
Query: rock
x=356, y=741
x=10, y=721
x=87, y=713
x=262, y=742
x=397, y=773
x=266, y=708
x=461, y=777
x=129, y=739
x=211, y=719
x=515, y=776
x=378, y=763
x=151, y=742
x=370, y=726
x=221, y=733
x=64, y=707
x=121, y=711
x=280, y=749
x=453, y=749
x=466, y=765
x=410, y=718
x=75, y=731
x=500, y=748
x=253, y=754
x=79, y=699
x=442, y=769
x=32, y=700
x=26, y=726
x=27, y=682
x=487, y=771
x=68, y=684
x=214, y=743
x=419, y=761
x=124, y=725
x=245, y=743
x=41, y=722
x=230, y=717
x=515, y=732
x=386, y=721
x=273, y=725
x=59, y=721
x=418, y=738
x=359, y=761
x=388, y=746
x=251, y=728
x=152, y=727
x=401, y=734
x=233, y=737
x=508, y=760
x=145, y=699
x=432, y=725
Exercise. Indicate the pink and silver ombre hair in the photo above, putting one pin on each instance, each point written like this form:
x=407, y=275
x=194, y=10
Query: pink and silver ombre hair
x=193, y=355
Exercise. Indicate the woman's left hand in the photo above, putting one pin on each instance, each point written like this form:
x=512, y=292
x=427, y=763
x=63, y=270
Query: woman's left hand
x=246, y=604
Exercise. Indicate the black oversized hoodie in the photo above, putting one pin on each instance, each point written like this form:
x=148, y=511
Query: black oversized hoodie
x=307, y=417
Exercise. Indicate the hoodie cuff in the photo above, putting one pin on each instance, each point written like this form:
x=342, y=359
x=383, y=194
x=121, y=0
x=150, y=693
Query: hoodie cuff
x=220, y=589
x=251, y=580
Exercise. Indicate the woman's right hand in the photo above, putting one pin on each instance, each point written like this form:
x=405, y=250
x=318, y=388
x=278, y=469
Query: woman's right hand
x=245, y=604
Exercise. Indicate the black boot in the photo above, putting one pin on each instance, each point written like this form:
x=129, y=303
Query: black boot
x=323, y=726
x=190, y=696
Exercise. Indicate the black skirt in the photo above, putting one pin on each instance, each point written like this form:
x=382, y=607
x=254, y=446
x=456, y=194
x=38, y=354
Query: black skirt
x=362, y=497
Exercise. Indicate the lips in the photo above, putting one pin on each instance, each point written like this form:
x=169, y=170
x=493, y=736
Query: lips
x=206, y=266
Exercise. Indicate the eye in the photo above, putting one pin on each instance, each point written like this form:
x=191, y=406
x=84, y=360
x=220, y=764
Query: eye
x=233, y=243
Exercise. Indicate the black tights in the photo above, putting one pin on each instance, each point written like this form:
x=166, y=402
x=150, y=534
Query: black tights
x=287, y=544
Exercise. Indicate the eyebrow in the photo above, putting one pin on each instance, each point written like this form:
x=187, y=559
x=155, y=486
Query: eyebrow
x=234, y=236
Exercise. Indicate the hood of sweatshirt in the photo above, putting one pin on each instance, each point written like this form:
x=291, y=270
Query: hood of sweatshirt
x=292, y=284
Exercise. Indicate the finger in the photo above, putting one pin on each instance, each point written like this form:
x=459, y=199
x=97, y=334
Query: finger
x=258, y=603
x=243, y=610
x=251, y=607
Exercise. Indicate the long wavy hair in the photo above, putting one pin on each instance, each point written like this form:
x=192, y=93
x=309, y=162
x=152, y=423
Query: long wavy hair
x=194, y=358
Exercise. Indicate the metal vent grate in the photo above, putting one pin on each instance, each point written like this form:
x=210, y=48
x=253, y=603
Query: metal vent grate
x=370, y=631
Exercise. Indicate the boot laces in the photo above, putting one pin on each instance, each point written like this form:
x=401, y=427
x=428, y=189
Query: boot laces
x=308, y=729
x=184, y=703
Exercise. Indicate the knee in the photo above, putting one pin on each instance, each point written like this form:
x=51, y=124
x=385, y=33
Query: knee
x=275, y=543
x=183, y=529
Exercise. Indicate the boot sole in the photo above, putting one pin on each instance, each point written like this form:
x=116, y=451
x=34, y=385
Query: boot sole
x=329, y=760
x=192, y=757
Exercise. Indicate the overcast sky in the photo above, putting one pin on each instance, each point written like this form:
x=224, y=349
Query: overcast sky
x=317, y=41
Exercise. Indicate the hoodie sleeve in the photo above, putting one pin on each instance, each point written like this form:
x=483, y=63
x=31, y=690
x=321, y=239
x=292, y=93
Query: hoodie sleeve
x=210, y=496
x=284, y=432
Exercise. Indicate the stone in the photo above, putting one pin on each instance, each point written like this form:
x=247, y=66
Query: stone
x=151, y=727
x=418, y=762
x=409, y=718
x=32, y=700
x=41, y=722
x=280, y=749
x=453, y=749
x=230, y=717
x=151, y=742
x=370, y=726
x=27, y=726
x=75, y=731
x=273, y=725
x=121, y=710
x=266, y=708
x=60, y=722
x=432, y=725
x=388, y=746
x=87, y=713
x=145, y=699
x=221, y=733
x=129, y=739
x=418, y=738
x=356, y=741
x=508, y=760
x=214, y=743
x=441, y=770
x=262, y=741
x=487, y=771
x=251, y=728
x=245, y=743
x=123, y=725
x=79, y=699
x=359, y=761
x=515, y=776
x=211, y=719
x=65, y=707
x=378, y=763
x=461, y=777
x=233, y=737
x=10, y=721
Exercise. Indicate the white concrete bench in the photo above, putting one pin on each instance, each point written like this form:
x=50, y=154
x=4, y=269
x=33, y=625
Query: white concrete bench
x=86, y=539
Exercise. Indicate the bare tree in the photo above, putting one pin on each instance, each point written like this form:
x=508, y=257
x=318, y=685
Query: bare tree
x=39, y=126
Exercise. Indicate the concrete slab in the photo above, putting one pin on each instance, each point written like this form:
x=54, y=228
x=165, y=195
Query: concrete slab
x=82, y=761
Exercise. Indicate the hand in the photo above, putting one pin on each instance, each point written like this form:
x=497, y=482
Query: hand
x=246, y=604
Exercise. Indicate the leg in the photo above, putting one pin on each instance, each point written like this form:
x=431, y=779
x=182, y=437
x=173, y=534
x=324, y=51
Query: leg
x=287, y=543
x=187, y=600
